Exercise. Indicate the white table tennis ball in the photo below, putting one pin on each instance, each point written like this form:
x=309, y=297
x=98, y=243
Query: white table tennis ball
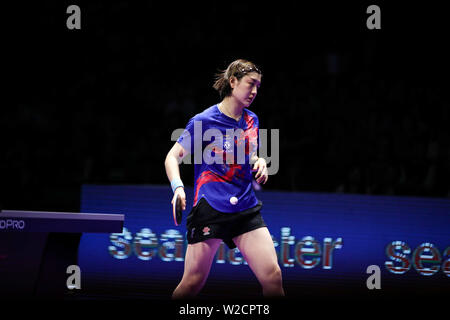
x=233, y=200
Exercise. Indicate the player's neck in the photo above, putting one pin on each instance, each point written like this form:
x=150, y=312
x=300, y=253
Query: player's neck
x=231, y=108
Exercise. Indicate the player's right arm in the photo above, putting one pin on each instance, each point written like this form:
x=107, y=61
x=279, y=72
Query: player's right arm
x=173, y=159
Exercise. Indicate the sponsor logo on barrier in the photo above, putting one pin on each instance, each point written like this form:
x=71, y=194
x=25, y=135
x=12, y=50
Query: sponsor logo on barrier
x=307, y=252
x=426, y=259
x=11, y=224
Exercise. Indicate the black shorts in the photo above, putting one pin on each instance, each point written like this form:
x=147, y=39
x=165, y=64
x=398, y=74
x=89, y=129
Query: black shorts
x=204, y=222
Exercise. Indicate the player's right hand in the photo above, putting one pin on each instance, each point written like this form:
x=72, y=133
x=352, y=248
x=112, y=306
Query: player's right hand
x=180, y=191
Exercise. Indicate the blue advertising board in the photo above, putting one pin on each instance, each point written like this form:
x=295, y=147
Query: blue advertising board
x=324, y=241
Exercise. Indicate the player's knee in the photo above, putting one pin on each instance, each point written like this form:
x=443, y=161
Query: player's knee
x=194, y=281
x=273, y=275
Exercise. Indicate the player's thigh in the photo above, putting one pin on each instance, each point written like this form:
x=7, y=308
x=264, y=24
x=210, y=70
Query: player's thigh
x=199, y=257
x=257, y=248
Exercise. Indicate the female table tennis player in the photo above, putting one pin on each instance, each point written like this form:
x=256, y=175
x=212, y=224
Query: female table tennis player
x=225, y=206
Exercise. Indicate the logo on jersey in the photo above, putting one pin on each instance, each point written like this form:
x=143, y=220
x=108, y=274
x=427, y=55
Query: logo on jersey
x=227, y=145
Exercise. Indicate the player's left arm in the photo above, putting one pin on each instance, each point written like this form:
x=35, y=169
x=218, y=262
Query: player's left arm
x=259, y=164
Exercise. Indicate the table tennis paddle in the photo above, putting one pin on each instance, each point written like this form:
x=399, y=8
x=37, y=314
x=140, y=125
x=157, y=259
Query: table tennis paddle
x=177, y=211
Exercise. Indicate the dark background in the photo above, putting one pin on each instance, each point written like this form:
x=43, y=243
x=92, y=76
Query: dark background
x=359, y=111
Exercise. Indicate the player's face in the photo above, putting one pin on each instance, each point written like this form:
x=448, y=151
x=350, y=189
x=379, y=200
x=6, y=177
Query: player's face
x=246, y=89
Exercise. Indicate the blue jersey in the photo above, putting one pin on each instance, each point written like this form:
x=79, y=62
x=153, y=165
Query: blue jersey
x=221, y=149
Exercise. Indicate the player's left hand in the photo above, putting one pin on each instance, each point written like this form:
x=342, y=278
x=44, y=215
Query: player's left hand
x=262, y=175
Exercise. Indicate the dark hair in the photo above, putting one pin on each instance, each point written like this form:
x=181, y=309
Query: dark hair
x=238, y=69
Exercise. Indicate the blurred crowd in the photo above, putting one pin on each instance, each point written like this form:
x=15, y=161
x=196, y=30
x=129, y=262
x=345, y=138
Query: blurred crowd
x=344, y=127
x=350, y=134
